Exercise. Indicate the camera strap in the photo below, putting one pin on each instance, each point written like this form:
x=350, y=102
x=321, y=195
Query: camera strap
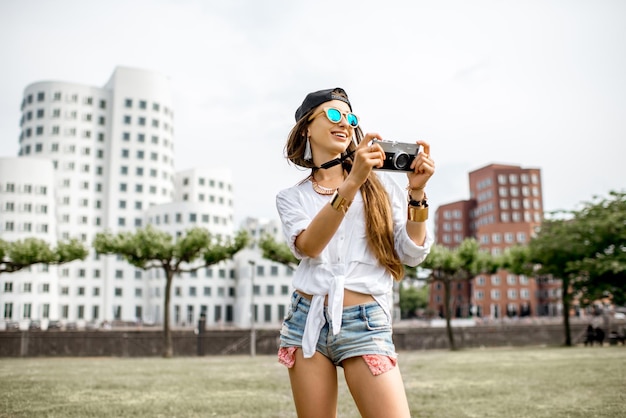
x=336, y=161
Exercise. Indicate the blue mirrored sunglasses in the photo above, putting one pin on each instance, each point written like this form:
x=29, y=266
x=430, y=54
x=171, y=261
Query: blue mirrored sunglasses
x=334, y=115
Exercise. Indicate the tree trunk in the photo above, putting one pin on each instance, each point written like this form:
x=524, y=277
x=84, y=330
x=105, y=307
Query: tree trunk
x=566, y=306
x=446, y=311
x=168, y=350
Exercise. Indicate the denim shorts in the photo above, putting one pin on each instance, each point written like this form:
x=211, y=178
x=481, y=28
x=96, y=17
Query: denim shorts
x=365, y=330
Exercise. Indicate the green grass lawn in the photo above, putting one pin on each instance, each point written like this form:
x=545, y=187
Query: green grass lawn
x=511, y=382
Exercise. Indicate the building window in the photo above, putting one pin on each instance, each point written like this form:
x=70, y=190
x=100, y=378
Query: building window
x=27, y=307
x=8, y=310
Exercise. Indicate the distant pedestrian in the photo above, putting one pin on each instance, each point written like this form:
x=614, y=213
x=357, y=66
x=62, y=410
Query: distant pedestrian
x=599, y=335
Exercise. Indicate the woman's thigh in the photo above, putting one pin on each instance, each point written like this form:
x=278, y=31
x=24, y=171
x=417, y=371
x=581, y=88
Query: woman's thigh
x=376, y=396
x=314, y=385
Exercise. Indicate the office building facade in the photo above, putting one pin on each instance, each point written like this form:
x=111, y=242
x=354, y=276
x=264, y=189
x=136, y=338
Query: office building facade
x=96, y=159
x=504, y=209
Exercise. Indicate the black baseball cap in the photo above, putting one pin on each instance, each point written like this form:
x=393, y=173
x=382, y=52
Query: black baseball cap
x=312, y=100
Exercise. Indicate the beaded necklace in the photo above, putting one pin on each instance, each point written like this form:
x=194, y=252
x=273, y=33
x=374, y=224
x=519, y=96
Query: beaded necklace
x=325, y=191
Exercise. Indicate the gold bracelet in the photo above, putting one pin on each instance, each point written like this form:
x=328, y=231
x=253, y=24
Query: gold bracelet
x=340, y=203
x=417, y=213
x=417, y=189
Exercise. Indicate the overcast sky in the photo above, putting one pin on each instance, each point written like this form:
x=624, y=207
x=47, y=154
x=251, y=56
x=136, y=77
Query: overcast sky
x=541, y=84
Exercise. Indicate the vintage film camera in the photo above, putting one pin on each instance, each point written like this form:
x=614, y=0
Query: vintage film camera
x=398, y=155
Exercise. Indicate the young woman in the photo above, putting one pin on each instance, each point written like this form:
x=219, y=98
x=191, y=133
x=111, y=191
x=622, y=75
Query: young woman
x=353, y=229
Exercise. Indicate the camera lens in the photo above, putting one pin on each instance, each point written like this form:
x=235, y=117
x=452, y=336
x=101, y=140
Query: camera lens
x=401, y=160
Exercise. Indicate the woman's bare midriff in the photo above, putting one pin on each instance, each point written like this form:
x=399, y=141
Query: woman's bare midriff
x=350, y=298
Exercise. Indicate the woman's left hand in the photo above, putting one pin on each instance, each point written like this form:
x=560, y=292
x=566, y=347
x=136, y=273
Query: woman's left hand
x=423, y=167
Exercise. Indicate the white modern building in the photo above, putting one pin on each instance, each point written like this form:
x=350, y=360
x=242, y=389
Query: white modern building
x=102, y=158
x=27, y=209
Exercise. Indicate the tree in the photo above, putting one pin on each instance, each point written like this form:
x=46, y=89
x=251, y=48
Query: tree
x=585, y=249
x=149, y=248
x=547, y=256
x=17, y=255
x=277, y=251
x=453, y=265
x=411, y=299
x=602, y=267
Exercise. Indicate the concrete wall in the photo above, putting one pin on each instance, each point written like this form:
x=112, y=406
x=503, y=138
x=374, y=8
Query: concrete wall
x=186, y=343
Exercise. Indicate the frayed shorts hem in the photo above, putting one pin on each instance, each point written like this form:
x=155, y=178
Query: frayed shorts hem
x=378, y=364
x=365, y=332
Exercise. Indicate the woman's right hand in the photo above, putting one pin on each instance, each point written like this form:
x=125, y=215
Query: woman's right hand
x=366, y=157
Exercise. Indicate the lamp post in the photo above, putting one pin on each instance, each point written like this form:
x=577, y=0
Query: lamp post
x=252, y=329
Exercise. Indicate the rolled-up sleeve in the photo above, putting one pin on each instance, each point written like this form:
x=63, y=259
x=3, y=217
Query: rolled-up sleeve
x=410, y=253
x=293, y=217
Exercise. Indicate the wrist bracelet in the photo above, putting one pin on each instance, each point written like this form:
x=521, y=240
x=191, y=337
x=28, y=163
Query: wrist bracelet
x=340, y=203
x=417, y=189
x=417, y=213
x=418, y=203
x=413, y=202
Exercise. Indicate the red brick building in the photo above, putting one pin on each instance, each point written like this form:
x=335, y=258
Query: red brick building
x=504, y=208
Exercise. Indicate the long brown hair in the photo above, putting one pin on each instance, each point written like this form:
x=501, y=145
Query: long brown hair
x=378, y=215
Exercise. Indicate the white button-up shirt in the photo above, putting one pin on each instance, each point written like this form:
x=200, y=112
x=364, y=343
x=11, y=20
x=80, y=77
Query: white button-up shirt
x=346, y=262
